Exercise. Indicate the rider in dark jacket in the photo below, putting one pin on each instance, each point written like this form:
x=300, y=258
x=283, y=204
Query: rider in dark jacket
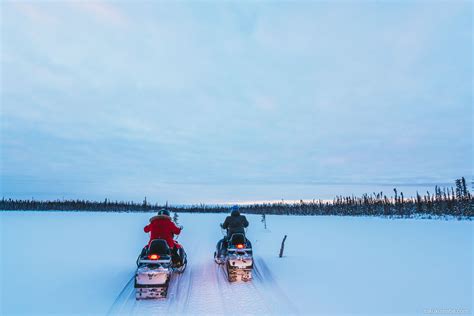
x=235, y=223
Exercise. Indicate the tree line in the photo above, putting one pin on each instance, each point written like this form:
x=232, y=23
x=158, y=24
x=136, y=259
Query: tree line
x=455, y=201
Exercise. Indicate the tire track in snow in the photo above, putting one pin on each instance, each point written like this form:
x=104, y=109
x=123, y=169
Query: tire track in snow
x=240, y=298
x=187, y=293
x=204, y=293
x=272, y=293
x=123, y=298
x=179, y=295
x=262, y=296
x=221, y=279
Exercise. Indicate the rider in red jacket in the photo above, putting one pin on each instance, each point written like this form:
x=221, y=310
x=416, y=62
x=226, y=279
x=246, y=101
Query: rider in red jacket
x=162, y=227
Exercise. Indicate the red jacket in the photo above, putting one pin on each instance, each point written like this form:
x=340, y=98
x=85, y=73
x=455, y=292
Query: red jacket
x=161, y=227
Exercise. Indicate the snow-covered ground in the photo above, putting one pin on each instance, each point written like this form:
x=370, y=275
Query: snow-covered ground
x=81, y=263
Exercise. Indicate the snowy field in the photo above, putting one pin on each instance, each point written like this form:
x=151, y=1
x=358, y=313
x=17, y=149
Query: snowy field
x=81, y=263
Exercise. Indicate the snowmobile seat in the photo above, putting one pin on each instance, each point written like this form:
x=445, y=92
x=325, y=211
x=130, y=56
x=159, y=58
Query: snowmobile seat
x=238, y=238
x=159, y=247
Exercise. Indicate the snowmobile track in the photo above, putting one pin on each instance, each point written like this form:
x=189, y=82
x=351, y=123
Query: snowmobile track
x=272, y=293
x=178, y=294
x=127, y=293
x=206, y=285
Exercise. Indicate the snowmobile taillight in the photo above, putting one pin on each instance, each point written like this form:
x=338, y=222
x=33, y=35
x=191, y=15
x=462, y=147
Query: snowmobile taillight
x=153, y=257
x=240, y=246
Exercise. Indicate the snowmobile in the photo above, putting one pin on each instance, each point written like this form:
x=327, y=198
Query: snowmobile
x=156, y=264
x=237, y=258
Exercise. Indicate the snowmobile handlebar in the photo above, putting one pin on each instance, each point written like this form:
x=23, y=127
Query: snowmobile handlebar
x=175, y=237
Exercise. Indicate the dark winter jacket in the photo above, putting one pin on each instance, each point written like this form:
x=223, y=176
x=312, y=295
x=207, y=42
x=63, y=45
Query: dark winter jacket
x=162, y=227
x=235, y=223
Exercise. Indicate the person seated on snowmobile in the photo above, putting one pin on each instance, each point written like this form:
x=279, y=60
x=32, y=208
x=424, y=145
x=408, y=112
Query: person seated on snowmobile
x=235, y=223
x=162, y=227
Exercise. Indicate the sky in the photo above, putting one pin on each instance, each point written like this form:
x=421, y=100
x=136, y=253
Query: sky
x=210, y=101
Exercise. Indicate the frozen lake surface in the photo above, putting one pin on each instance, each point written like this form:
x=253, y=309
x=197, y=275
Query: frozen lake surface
x=81, y=263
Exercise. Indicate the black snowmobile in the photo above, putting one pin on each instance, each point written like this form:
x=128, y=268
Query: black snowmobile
x=237, y=256
x=156, y=264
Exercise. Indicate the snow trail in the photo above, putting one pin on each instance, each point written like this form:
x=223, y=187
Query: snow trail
x=203, y=288
x=126, y=304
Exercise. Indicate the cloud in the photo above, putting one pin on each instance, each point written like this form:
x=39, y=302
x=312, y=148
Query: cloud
x=277, y=93
x=265, y=103
x=103, y=11
x=35, y=12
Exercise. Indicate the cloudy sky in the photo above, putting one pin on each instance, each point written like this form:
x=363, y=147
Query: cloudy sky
x=212, y=101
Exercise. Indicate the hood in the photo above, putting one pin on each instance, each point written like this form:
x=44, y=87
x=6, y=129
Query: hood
x=154, y=218
x=235, y=213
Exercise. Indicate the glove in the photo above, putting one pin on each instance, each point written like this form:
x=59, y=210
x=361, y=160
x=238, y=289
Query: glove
x=181, y=227
x=222, y=225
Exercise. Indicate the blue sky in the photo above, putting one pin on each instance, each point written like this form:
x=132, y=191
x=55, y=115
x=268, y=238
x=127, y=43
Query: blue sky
x=198, y=101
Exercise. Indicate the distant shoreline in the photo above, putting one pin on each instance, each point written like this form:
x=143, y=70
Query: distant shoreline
x=455, y=201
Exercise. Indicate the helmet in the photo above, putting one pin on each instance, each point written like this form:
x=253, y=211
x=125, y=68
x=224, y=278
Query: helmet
x=234, y=210
x=164, y=212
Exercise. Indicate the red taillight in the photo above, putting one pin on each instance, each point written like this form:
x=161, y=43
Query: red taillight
x=153, y=257
x=240, y=246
